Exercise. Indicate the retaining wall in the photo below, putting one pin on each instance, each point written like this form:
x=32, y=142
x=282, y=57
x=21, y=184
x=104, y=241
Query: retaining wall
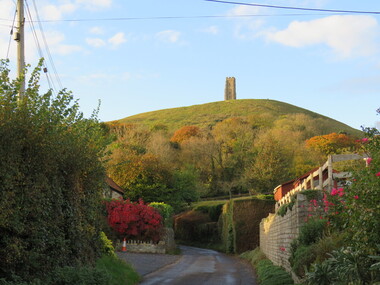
x=277, y=233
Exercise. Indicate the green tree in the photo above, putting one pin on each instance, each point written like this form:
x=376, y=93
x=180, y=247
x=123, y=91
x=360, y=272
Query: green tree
x=51, y=180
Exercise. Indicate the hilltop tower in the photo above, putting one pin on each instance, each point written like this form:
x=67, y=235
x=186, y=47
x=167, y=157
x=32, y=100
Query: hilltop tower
x=230, y=89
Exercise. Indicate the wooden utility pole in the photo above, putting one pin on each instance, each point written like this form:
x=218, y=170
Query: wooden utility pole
x=20, y=39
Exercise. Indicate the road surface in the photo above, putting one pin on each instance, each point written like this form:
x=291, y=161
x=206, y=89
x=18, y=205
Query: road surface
x=203, y=267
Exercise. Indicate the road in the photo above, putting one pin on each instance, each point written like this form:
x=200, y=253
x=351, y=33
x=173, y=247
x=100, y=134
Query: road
x=203, y=267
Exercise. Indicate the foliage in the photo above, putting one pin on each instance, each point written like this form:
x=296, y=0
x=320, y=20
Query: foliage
x=332, y=143
x=268, y=274
x=303, y=249
x=107, y=247
x=134, y=220
x=166, y=211
x=185, y=133
x=73, y=275
x=345, y=266
x=212, y=208
x=119, y=271
x=51, y=178
x=284, y=208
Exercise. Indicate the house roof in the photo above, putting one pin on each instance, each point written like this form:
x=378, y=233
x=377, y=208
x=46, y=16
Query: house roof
x=112, y=184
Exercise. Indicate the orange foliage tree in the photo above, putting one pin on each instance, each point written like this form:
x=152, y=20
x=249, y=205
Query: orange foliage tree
x=332, y=143
x=185, y=133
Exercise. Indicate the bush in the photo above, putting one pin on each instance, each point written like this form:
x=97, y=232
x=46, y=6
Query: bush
x=107, y=246
x=312, y=231
x=52, y=181
x=83, y=275
x=302, y=258
x=166, y=211
x=134, y=220
x=345, y=266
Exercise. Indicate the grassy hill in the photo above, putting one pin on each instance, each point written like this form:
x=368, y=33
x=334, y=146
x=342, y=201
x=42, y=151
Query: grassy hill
x=207, y=115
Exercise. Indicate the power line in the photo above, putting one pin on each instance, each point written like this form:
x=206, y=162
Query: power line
x=47, y=48
x=296, y=8
x=174, y=17
x=11, y=33
x=34, y=32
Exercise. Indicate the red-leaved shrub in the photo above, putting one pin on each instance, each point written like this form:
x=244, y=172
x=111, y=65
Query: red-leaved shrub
x=134, y=220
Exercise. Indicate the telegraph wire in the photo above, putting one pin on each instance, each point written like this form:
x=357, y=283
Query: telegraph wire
x=296, y=8
x=47, y=48
x=34, y=33
x=11, y=33
x=175, y=17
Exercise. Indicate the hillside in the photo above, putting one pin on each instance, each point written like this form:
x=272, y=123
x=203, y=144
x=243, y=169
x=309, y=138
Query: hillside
x=207, y=115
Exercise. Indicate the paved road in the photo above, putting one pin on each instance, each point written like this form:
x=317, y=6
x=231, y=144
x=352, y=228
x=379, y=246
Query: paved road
x=203, y=267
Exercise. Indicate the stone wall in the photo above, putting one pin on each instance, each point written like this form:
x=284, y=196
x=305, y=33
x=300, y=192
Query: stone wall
x=165, y=245
x=277, y=233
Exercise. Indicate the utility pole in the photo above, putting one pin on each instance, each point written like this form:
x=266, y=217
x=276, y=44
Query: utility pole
x=20, y=39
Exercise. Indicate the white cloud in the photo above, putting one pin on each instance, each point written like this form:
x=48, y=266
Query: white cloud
x=168, y=36
x=55, y=12
x=345, y=35
x=95, y=4
x=244, y=10
x=246, y=27
x=117, y=39
x=95, y=42
x=55, y=41
x=97, y=31
x=214, y=30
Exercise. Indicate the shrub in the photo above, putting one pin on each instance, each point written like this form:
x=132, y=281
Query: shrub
x=267, y=273
x=302, y=258
x=134, y=220
x=107, y=247
x=52, y=180
x=83, y=275
x=345, y=266
x=312, y=231
x=166, y=211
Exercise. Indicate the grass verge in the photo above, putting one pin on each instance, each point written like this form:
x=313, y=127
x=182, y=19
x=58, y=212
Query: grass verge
x=119, y=271
x=267, y=272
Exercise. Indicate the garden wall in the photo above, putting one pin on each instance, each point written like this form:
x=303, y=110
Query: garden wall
x=277, y=233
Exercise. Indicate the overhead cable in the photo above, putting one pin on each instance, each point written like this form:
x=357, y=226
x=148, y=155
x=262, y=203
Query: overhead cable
x=296, y=8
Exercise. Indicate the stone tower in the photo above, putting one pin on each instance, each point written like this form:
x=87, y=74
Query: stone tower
x=230, y=90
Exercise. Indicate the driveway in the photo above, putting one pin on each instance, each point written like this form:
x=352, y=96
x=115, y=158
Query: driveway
x=196, y=266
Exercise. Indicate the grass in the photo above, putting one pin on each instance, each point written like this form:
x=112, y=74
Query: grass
x=267, y=272
x=261, y=111
x=120, y=272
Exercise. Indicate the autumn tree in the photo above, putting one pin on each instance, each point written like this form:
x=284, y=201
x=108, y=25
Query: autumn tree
x=185, y=133
x=333, y=143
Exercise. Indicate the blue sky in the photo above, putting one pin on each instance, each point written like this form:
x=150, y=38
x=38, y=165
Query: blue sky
x=326, y=62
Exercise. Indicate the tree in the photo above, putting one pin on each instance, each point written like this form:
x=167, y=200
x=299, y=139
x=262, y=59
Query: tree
x=332, y=143
x=270, y=167
x=185, y=133
x=52, y=180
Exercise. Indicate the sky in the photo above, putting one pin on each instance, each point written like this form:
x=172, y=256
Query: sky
x=146, y=55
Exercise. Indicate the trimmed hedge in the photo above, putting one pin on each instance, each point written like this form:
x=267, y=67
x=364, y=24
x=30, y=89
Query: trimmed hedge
x=240, y=223
x=52, y=181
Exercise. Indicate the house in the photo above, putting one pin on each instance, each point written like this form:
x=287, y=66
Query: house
x=112, y=190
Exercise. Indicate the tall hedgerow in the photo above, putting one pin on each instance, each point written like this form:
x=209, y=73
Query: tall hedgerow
x=51, y=180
